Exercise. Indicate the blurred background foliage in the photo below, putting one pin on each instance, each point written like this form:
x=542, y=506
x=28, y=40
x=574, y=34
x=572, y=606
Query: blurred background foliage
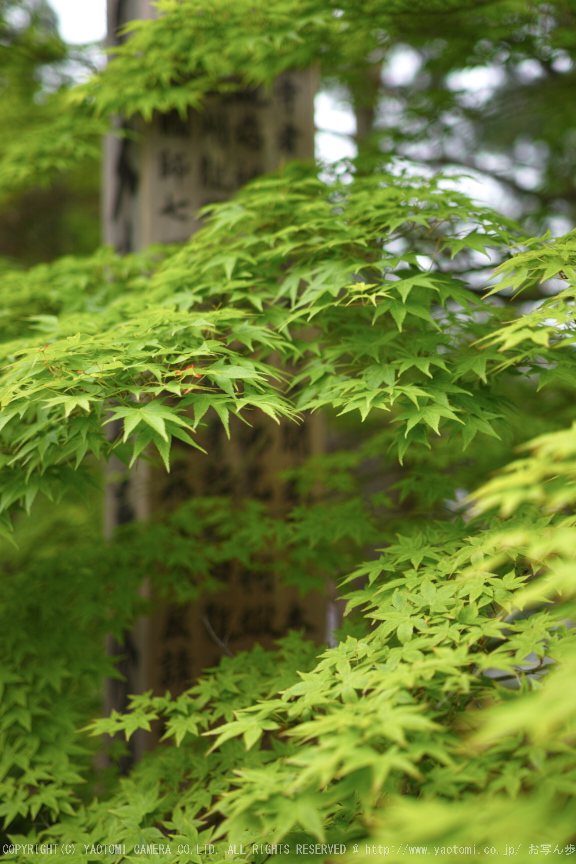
x=40, y=224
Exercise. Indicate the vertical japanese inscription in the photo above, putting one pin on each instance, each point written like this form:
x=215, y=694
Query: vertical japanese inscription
x=289, y=133
x=158, y=175
x=252, y=607
x=175, y=660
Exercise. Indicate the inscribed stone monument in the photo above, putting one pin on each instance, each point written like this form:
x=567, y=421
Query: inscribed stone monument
x=155, y=181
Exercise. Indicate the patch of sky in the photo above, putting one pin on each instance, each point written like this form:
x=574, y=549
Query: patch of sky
x=401, y=67
x=562, y=62
x=81, y=22
x=476, y=84
x=335, y=128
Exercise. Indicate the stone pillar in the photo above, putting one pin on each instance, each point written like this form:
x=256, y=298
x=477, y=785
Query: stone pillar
x=154, y=184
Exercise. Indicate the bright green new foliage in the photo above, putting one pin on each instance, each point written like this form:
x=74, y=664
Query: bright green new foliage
x=372, y=291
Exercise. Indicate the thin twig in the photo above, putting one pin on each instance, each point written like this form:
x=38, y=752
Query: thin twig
x=216, y=638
